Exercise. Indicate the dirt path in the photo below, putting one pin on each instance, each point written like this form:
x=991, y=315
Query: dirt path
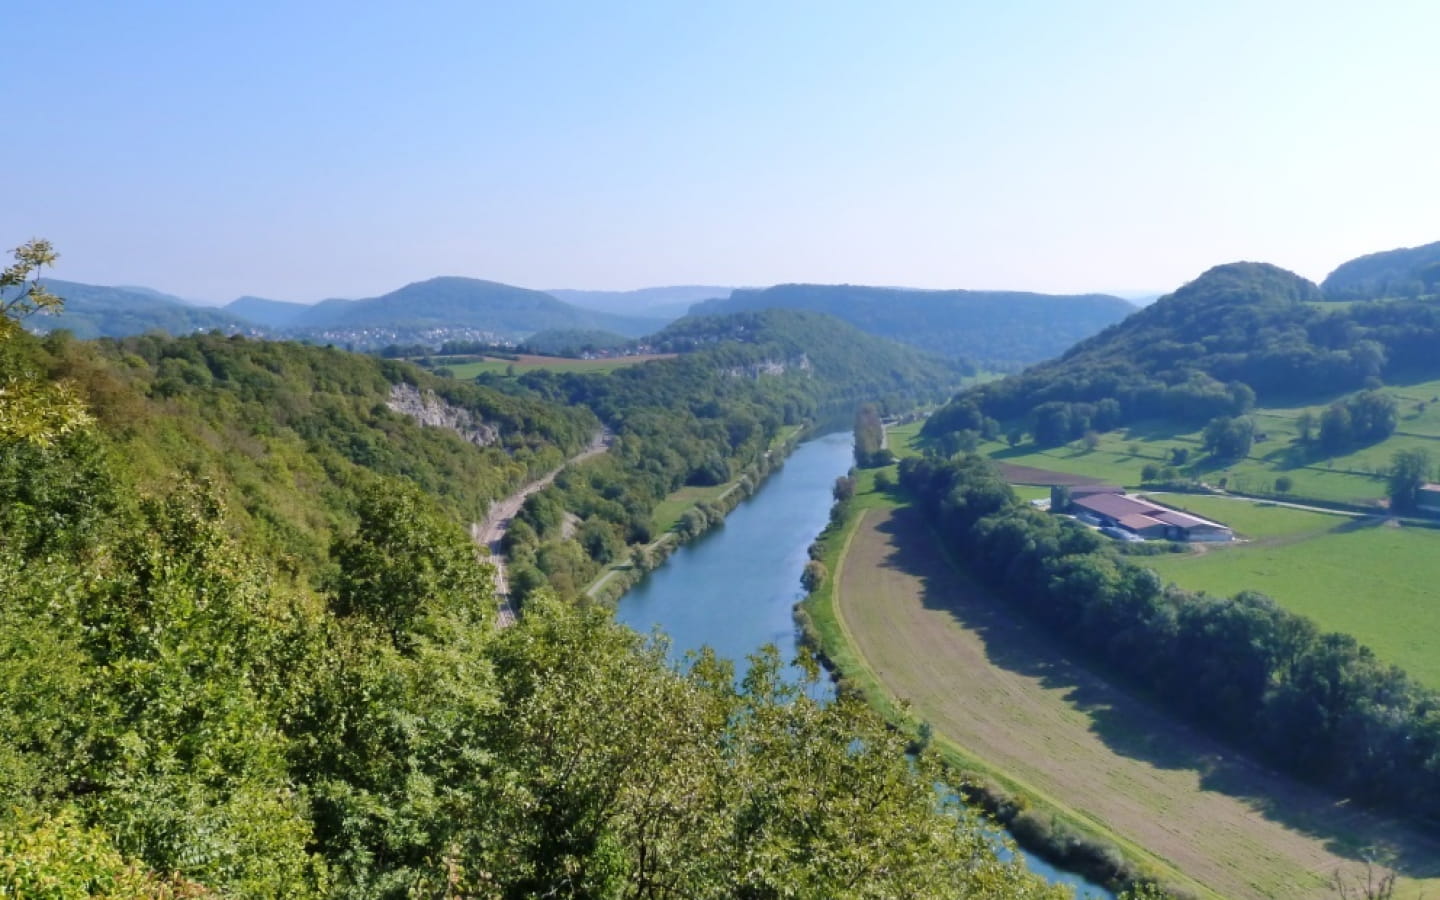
x=491, y=531
x=1007, y=693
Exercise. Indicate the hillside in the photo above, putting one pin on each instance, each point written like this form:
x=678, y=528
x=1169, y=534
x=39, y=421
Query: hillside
x=1238, y=332
x=463, y=303
x=100, y=311
x=857, y=364
x=1406, y=272
x=995, y=329
x=274, y=314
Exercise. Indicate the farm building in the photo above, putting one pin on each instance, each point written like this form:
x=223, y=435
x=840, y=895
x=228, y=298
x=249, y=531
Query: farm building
x=1113, y=508
x=1427, y=499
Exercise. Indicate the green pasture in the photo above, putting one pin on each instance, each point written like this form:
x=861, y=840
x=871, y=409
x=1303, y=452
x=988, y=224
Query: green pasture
x=1254, y=520
x=1360, y=577
x=469, y=370
x=668, y=511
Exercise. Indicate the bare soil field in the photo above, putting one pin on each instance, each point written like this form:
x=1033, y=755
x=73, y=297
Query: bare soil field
x=1031, y=475
x=1005, y=692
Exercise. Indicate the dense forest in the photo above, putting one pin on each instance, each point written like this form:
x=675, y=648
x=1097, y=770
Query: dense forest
x=248, y=649
x=1237, y=334
x=998, y=330
x=1407, y=272
x=1316, y=705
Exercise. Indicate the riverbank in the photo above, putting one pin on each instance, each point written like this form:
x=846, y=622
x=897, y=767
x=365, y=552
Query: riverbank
x=618, y=578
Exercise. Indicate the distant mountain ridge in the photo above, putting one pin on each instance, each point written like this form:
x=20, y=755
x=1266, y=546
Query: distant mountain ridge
x=1406, y=272
x=668, y=303
x=270, y=313
x=456, y=302
x=996, y=329
x=93, y=311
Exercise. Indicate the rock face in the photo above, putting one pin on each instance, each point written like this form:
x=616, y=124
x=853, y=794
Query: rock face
x=428, y=409
x=799, y=363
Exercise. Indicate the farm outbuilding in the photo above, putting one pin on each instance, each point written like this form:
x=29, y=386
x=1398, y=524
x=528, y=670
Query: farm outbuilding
x=1136, y=515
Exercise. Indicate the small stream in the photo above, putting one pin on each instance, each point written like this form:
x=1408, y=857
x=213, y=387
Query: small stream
x=734, y=588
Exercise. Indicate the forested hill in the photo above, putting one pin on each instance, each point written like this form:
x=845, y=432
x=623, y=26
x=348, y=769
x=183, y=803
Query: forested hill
x=287, y=434
x=995, y=329
x=1407, y=272
x=1237, y=331
x=93, y=310
x=848, y=361
x=249, y=651
x=452, y=302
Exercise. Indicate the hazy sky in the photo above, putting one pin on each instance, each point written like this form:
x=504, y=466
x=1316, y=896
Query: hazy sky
x=301, y=150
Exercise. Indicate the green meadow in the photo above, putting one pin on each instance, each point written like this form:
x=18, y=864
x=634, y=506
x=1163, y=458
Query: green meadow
x=1362, y=576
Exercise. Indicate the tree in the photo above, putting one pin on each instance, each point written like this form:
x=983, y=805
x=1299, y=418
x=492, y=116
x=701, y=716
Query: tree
x=32, y=410
x=21, y=292
x=1283, y=484
x=405, y=561
x=1229, y=438
x=1409, y=471
x=814, y=576
x=1305, y=425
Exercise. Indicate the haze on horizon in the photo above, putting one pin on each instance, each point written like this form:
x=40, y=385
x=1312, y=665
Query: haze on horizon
x=337, y=149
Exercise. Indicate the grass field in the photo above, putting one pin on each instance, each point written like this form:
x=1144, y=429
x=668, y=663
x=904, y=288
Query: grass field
x=1254, y=520
x=1364, y=578
x=528, y=363
x=1000, y=692
x=669, y=510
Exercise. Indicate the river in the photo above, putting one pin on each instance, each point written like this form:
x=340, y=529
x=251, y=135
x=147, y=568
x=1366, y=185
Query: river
x=733, y=589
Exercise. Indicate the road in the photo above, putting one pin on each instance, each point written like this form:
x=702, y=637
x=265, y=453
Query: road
x=491, y=531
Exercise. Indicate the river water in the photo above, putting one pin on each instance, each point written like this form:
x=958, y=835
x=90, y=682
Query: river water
x=733, y=589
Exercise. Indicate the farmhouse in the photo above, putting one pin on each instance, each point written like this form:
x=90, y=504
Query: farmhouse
x=1111, y=507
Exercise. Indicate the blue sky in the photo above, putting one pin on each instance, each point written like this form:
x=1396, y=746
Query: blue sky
x=306, y=150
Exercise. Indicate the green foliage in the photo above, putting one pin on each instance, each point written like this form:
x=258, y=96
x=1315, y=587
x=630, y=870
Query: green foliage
x=21, y=292
x=1236, y=334
x=404, y=563
x=1395, y=273
x=1229, y=438
x=1409, y=471
x=60, y=859
x=814, y=576
x=572, y=342
x=870, y=449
